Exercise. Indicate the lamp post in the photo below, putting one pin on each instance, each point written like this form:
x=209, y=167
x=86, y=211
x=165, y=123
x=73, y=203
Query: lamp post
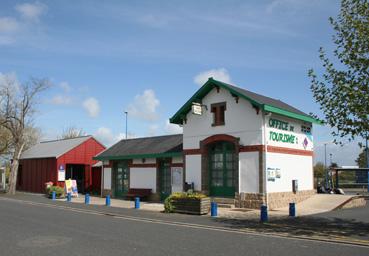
x=126, y=112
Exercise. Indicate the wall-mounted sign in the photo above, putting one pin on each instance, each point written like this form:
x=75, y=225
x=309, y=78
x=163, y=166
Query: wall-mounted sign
x=273, y=174
x=196, y=109
x=61, y=173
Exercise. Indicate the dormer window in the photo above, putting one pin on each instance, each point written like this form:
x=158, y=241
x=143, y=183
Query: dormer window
x=218, y=110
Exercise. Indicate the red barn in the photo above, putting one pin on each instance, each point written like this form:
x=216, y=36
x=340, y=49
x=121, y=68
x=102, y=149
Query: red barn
x=58, y=160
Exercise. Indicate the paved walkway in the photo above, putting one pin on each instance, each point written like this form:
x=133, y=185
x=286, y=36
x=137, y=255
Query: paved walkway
x=317, y=204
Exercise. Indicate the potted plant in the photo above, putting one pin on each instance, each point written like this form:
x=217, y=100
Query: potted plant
x=187, y=202
x=59, y=191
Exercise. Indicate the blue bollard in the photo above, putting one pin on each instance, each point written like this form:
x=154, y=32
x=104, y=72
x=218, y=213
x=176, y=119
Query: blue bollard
x=53, y=195
x=69, y=197
x=214, y=209
x=107, y=200
x=292, y=211
x=137, y=203
x=87, y=199
x=264, y=213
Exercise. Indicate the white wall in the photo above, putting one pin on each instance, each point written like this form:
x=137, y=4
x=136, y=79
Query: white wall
x=107, y=178
x=147, y=161
x=291, y=167
x=249, y=172
x=143, y=178
x=241, y=121
x=193, y=170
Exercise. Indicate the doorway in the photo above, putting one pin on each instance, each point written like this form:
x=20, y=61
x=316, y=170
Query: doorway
x=76, y=172
x=121, y=178
x=222, y=169
x=165, y=178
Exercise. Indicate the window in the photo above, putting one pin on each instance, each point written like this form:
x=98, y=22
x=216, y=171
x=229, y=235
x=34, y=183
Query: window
x=218, y=110
x=305, y=129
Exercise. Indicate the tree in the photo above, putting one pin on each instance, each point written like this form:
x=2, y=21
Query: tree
x=343, y=91
x=71, y=132
x=319, y=170
x=17, y=107
x=361, y=160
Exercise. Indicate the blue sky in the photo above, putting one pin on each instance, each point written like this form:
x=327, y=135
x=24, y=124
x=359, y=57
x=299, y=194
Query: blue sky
x=148, y=57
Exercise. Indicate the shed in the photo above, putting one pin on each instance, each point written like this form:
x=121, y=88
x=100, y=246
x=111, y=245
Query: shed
x=58, y=160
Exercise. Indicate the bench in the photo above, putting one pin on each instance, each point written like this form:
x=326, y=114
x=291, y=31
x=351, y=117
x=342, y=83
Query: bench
x=138, y=192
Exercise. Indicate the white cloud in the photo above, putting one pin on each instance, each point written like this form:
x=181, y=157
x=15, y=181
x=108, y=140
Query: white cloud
x=31, y=11
x=91, y=105
x=220, y=74
x=172, y=128
x=153, y=130
x=65, y=86
x=61, y=100
x=144, y=106
x=106, y=136
x=8, y=25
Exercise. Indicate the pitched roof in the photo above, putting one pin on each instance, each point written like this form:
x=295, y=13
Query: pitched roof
x=149, y=147
x=54, y=148
x=263, y=102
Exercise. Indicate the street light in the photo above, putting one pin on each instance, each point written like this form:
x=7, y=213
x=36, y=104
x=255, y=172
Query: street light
x=126, y=112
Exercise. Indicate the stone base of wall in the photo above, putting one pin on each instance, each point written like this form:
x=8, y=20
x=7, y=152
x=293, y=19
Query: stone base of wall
x=282, y=199
x=249, y=200
x=106, y=192
x=275, y=200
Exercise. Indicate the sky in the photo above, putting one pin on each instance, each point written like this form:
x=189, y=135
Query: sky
x=149, y=57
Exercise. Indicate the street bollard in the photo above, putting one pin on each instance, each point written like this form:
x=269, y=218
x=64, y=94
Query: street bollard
x=87, y=199
x=292, y=211
x=214, y=209
x=107, y=200
x=264, y=213
x=53, y=195
x=137, y=203
x=69, y=197
x=368, y=178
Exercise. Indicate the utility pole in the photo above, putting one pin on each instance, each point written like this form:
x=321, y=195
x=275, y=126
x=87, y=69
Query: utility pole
x=126, y=112
x=325, y=165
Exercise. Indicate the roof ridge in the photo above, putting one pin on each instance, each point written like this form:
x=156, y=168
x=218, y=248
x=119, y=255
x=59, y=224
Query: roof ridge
x=150, y=137
x=48, y=141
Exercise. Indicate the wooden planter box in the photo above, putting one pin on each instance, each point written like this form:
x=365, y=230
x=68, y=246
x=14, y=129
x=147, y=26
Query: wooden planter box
x=192, y=206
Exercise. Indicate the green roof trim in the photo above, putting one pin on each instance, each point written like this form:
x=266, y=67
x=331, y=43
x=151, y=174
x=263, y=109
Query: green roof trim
x=208, y=86
x=286, y=113
x=138, y=156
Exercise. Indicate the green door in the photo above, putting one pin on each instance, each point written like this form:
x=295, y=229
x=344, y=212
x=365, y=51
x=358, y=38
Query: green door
x=165, y=179
x=222, y=169
x=121, y=179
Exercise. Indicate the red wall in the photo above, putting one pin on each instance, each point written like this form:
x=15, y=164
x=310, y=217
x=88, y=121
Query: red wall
x=36, y=172
x=82, y=154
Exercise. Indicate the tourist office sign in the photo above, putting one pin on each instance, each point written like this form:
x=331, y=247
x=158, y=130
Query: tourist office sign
x=285, y=135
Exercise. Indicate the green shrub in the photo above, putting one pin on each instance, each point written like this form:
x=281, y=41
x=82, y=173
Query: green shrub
x=58, y=190
x=168, y=206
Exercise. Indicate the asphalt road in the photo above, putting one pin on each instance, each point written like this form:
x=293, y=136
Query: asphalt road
x=28, y=229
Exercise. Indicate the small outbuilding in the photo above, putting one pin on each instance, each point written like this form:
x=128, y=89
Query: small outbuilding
x=57, y=161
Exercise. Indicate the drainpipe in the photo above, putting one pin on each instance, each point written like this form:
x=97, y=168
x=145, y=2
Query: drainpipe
x=265, y=158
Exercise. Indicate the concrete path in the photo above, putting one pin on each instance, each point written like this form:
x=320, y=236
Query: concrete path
x=318, y=203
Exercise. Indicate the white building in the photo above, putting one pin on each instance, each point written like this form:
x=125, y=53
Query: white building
x=236, y=144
